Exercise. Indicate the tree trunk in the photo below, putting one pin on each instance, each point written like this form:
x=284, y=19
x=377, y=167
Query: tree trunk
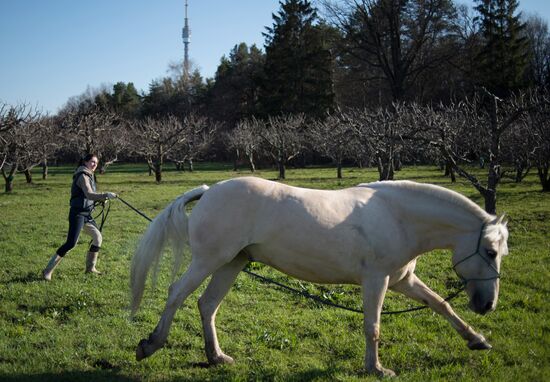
x=491, y=194
x=251, y=162
x=158, y=163
x=543, y=177
x=339, y=169
x=9, y=185
x=28, y=175
x=9, y=179
x=158, y=173
x=236, y=161
x=385, y=169
x=191, y=168
x=449, y=171
x=398, y=165
x=282, y=170
x=45, y=169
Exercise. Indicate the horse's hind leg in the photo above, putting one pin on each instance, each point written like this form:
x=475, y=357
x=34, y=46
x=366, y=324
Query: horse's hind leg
x=178, y=292
x=414, y=288
x=209, y=303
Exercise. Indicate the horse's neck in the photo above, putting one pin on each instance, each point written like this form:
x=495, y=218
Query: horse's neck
x=433, y=223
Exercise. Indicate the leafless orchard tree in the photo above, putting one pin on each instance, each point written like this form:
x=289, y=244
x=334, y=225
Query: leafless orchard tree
x=13, y=117
x=519, y=150
x=196, y=137
x=154, y=139
x=33, y=141
x=334, y=137
x=283, y=139
x=50, y=135
x=476, y=127
x=536, y=125
x=245, y=138
x=113, y=140
x=93, y=129
x=15, y=124
x=386, y=132
x=443, y=133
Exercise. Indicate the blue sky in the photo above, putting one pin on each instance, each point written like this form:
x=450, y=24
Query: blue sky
x=51, y=50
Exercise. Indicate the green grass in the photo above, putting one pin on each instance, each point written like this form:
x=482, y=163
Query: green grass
x=76, y=328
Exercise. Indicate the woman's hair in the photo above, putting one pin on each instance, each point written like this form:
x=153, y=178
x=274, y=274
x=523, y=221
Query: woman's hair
x=86, y=158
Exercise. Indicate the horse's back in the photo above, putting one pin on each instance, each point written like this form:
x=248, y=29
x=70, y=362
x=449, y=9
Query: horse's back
x=300, y=231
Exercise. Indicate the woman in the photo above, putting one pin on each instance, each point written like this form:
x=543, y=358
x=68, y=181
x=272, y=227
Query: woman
x=83, y=196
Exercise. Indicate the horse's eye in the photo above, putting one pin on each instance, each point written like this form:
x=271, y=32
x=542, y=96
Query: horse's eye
x=492, y=254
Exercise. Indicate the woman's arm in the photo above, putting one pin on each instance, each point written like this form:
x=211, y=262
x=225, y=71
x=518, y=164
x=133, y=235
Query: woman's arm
x=84, y=183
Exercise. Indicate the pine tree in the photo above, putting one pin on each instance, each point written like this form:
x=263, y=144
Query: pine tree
x=298, y=68
x=504, y=57
x=234, y=95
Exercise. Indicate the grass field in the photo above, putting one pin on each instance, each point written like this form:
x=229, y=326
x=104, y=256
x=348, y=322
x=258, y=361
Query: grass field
x=76, y=328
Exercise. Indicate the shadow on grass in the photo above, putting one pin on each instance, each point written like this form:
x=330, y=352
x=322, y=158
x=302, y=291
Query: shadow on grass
x=30, y=277
x=73, y=376
x=218, y=374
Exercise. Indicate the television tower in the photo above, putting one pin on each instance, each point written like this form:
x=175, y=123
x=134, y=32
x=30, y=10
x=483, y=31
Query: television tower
x=185, y=34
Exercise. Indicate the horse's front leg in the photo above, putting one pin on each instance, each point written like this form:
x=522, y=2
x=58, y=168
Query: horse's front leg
x=374, y=290
x=414, y=288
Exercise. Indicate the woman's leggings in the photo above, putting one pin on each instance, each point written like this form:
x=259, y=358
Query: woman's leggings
x=77, y=222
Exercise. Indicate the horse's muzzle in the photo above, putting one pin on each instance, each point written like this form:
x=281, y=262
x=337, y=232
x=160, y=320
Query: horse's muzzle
x=481, y=306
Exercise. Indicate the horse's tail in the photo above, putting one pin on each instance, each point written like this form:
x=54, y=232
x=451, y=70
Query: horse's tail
x=169, y=226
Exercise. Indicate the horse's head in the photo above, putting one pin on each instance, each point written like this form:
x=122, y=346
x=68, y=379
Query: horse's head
x=477, y=262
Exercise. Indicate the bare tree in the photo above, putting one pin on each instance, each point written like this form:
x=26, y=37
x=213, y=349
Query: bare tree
x=155, y=138
x=396, y=40
x=31, y=144
x=51, y=138
x=386, y=133
x=539, y=47
x=16, y=126
x=536, y=125
x=335, y=138
x=519, y=149
x=13, y=117
x=196, y=137
x=245, y=137
x=94, y=129
x=283, y=139
x=481, y=124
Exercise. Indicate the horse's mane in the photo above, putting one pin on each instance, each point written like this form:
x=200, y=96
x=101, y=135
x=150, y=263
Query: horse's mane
x=433, y=191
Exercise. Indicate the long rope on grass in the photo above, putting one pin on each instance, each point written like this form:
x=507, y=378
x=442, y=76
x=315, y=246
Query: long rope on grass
x=302, y=293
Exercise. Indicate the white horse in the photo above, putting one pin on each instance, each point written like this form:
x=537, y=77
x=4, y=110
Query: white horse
x=369, y=235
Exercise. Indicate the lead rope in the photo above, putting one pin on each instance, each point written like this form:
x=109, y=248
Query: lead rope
x=305, y=294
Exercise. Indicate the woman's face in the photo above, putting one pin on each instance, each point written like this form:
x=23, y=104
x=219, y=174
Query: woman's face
x=92, y=163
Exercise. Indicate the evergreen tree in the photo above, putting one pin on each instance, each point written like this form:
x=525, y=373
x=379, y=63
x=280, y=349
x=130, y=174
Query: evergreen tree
x=123, y=100
x=504, y=57
x=234, y=95
x=298, y=68
x=177, y=96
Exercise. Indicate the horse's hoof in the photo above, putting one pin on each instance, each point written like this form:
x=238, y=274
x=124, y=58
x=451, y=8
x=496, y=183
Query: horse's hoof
x=479, y=344
x=381, y=372
x=140, y=350
x=220, y=360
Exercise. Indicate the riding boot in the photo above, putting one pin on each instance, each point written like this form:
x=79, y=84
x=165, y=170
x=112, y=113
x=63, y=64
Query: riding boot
x=47, y=272
x=91, y=261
